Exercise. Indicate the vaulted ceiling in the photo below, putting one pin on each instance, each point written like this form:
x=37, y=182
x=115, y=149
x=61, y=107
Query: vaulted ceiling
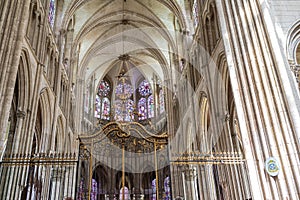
x=104, y=30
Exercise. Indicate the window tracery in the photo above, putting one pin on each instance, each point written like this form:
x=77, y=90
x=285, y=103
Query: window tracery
x=52, y=10
x=105, y=111
x=124, y=105
x=145, y=88
x=142, y=106
x=124, y=101
x=195, y=11
x=102, y=101
x=150, y=106
x=146, y=102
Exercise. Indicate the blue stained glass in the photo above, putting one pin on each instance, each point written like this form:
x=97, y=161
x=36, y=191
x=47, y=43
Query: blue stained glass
x=103, y=89
x=153, y=185
x=124, y=105
x=105, y=109
x=167, y=188
x=124, y=90
x=52, y=9
x=102, y=102
x=126, y=193
x=118, y=110
x=145, y=88
x=97, y=107
x=124, y=110
x=130, y=109
x=195, y=13
x=150, y=106
x=94, y=190
x=142, y=106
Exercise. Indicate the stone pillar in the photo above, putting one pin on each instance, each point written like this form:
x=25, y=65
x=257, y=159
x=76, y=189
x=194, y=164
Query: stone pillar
x=56, y=192
x=14, y=19
x=190, y=183
x=267, y=109
x=210, y=182
x=176, y=181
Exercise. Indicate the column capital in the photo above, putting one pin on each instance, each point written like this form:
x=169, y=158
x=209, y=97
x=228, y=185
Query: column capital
x=190, y=173
x=21, y=114
x=227, y=117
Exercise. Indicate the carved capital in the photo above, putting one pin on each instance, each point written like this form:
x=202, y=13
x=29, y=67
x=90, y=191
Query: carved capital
x=227, y=117
x=21, y=114
x=62, y=31
x=190, y=173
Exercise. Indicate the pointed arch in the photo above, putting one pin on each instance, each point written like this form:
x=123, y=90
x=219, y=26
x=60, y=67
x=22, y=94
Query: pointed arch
x=293, y=43
x=46, y=119
x=59, y=135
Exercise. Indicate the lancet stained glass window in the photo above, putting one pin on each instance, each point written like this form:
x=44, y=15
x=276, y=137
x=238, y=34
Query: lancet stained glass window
x=130, y=109
x=94, y=190
x=102, y=101
x=124, y=110
x=167, y=188
x=146, y=102
x=124, y=105
x=142, y=106
x=150, y=106
x=118, y=110
x=145, y=88
x=103, y=89
x=105, y=109
x=52, y=10
x=97, y=106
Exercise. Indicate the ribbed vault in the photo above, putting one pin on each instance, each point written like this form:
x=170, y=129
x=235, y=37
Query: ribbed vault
x=104, y=30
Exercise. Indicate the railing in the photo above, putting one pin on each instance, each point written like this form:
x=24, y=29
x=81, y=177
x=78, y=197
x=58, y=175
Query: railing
x=38, y=176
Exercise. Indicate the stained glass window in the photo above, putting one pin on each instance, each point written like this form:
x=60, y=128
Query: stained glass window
x=94, y=190
x=150, y=106
x=130, y=109
x=124, y=105
x=161, y=102
x=103, y=89
x=142, y=106
x=118, y=110
x=52, y=9
x=145, y=88
x=105, y=108
x=167, y=188
x=81, y=190
x=126, y=193
x=195, y=13
x=124, y=110
x=124, y=90
x=102, y=102
x=153, y=185
x=97, y=106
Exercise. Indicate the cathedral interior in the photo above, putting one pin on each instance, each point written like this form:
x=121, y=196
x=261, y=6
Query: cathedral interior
x=149, y=99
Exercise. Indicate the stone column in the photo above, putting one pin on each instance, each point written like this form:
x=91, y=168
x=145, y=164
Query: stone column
x=176, y=181
x=190, y=183
x=267, y=109
x=56, y=192
x=13, y=22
